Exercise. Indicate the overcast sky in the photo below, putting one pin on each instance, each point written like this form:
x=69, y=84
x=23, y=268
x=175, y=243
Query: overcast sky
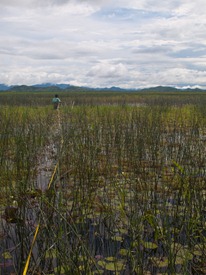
x=103, y=43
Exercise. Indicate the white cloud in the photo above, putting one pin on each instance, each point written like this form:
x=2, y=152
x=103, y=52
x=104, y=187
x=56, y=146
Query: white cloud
x=98, y=43
x=107, y=70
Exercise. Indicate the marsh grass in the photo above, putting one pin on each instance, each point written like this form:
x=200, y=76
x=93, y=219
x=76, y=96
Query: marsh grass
x=128, y=196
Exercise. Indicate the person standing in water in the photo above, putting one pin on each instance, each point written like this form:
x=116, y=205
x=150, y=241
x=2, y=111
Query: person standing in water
x=56, y=102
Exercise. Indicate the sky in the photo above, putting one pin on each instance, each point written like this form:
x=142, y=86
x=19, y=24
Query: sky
x=103, y=43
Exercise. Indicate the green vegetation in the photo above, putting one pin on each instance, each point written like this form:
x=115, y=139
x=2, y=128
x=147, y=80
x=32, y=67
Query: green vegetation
x=129, y=192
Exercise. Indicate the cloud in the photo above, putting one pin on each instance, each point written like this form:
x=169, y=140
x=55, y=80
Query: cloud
x=125, y=43
x=107, y=70
x=32, y=3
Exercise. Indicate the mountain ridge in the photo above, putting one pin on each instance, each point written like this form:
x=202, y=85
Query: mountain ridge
x=63, y=86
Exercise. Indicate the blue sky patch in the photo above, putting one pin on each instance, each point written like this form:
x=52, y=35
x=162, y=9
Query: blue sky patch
x=126, y=14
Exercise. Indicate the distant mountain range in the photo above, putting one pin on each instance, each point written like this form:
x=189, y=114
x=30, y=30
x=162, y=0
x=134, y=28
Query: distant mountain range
x=48, y=86
x=4, y=87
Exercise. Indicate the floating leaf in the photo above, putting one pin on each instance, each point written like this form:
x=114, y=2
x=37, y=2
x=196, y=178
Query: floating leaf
x=182, y=253
x=149, y=245
x=115, y=266
x=6, y=255
x=123, y=252
x=117, y=238
x=123, y=231
x=199, y=249
x=81, y=268
x=159, y=262
x=182, y=257
x=102, y=263
x=112, y=265
x=111, y=259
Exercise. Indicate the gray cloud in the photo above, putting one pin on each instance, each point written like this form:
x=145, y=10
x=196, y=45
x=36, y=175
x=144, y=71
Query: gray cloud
x=32, y=3
x=99, y=43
